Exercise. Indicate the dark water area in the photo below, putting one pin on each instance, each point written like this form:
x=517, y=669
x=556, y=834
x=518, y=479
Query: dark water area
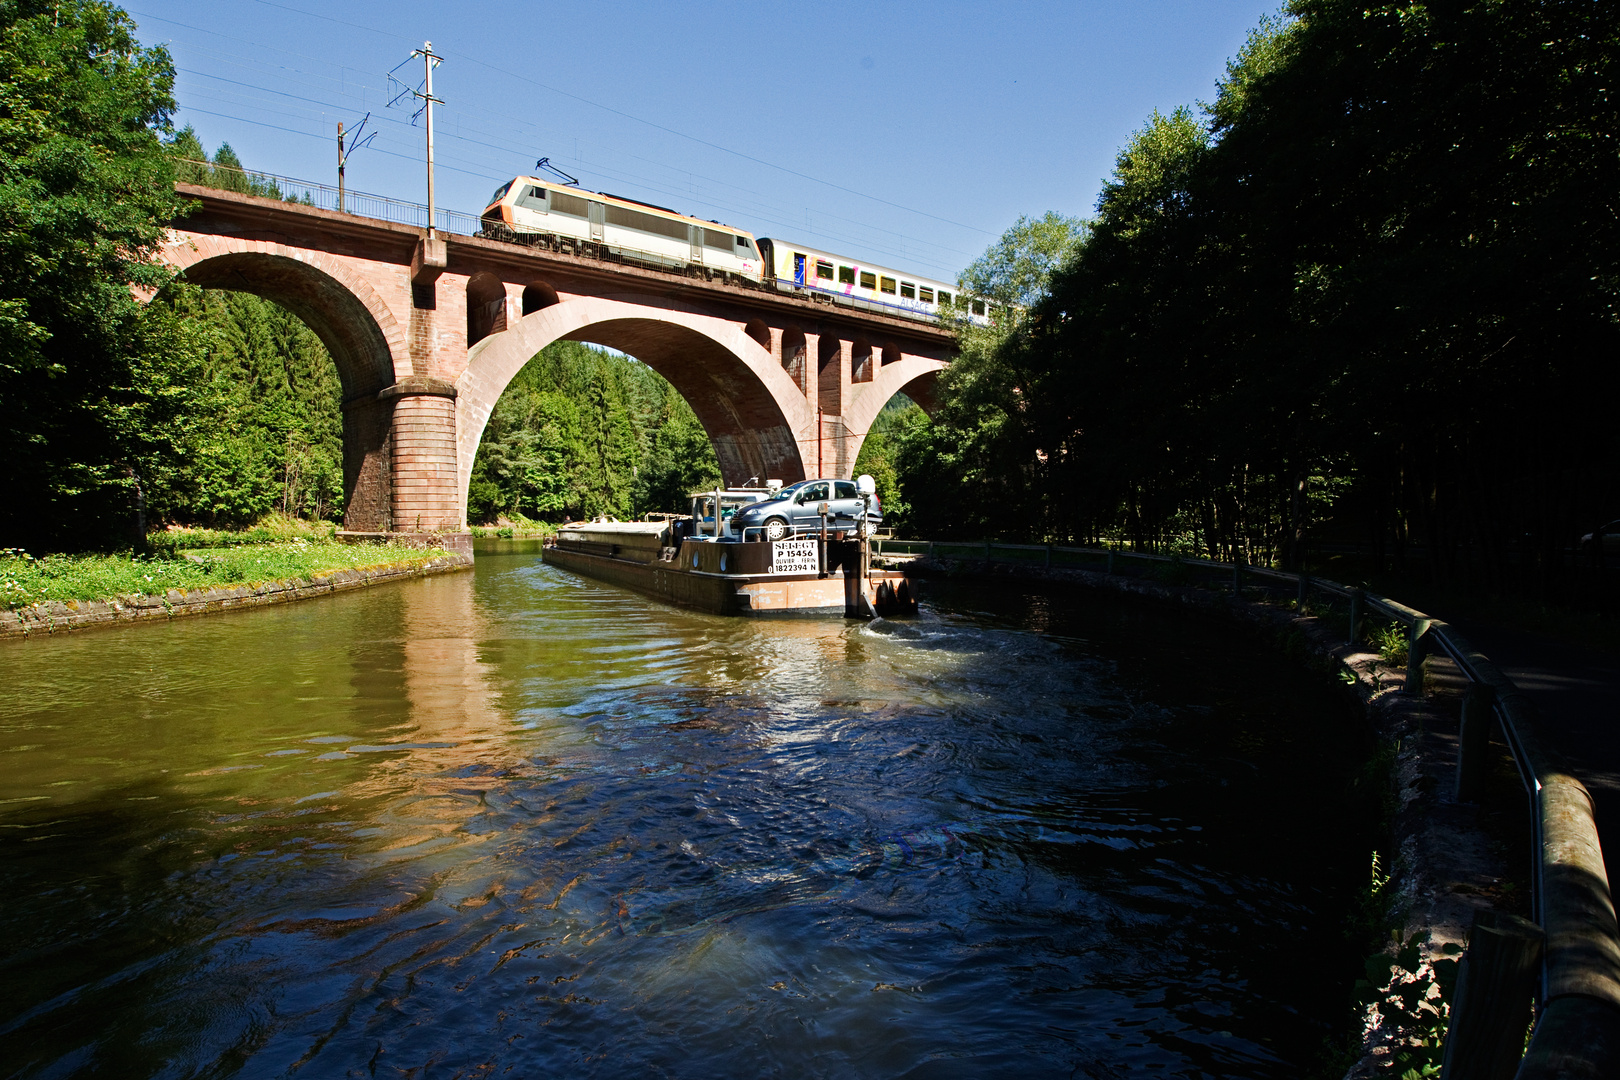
x=518, y=823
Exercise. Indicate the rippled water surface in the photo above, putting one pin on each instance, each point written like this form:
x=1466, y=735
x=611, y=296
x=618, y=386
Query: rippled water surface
x=516, y=823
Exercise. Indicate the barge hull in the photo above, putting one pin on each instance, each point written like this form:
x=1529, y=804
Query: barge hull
x=765, y=595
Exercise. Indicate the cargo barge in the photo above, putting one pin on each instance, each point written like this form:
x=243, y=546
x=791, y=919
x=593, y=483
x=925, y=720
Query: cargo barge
x=818, y=574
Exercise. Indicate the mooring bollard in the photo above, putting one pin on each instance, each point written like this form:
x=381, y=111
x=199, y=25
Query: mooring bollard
x=1357, y=598
x=1474, y=742
x=1417, y=646
x=1495, y=986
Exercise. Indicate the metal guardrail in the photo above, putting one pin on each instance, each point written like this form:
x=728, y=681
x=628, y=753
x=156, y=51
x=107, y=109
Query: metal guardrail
x=325, y=197
x=1571, y=898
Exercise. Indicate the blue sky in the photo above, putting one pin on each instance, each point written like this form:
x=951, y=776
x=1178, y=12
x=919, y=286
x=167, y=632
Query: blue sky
x=910, y=134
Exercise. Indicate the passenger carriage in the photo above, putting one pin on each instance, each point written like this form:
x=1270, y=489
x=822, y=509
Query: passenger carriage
x=799, y=268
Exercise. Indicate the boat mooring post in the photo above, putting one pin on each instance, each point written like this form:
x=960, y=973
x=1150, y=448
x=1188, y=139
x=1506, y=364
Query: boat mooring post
x=822, y=509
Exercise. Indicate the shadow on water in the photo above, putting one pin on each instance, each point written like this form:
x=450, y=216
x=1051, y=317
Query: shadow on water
x=515, y=820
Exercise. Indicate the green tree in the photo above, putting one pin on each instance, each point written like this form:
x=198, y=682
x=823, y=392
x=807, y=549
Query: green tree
x=581, y=432
x=95, y=389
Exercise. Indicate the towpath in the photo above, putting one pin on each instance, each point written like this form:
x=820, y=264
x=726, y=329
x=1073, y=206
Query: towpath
x=1577, y=693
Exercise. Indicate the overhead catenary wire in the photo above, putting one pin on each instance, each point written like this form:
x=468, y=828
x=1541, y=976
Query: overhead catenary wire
x=769, y=211
x=349, y=91
x=649, y=123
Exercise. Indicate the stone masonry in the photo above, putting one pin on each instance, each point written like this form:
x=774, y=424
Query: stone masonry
x=426, y=332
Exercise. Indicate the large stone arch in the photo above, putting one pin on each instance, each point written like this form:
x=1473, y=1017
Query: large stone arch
x=757, y=419
x=358, y=329
x=915, y=376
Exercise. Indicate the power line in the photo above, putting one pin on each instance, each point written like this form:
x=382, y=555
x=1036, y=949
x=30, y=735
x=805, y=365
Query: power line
x=655, y=125
x=658, y=186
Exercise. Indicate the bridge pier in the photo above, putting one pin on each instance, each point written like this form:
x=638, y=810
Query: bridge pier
x=422, y=450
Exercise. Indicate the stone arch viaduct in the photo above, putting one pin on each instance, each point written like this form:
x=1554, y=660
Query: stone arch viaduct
x=427, y=331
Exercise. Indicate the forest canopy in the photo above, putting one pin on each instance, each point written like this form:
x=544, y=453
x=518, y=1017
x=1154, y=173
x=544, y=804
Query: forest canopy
x=1368, y=294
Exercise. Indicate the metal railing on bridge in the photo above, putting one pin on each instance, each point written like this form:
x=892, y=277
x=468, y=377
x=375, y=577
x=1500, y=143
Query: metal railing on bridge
x=269, y=185
x=290, y=189
x=1579, y=987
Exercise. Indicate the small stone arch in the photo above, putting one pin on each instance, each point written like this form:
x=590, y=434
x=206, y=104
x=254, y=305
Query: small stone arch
x=538, y=295
x=861, y=363
x=486, y=307
x=795, y=357
x=761, y=333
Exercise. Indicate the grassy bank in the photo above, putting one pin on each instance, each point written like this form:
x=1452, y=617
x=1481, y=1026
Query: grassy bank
x=508, y=526
x=221, y=560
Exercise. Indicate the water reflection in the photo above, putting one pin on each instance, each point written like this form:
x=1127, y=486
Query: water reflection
x=515, y=820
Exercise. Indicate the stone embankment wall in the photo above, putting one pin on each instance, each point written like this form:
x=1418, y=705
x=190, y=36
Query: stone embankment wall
x=62, y=616
x=1445, y=865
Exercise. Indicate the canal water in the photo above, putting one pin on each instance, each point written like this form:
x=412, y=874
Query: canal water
x=517, y=823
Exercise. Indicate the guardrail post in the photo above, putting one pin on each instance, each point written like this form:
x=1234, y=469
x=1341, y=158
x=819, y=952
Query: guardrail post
x=1417, y=646
x=1495, y=986
x=1049, y=556
x=1237, y=579
x=1357, y=599
x=1304, y=591
x=930, y=549
x=1474, y=742
x=987, y=551
x=1110, y=562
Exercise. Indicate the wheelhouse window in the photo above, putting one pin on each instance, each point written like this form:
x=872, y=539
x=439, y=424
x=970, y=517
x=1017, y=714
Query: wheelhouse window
x=868, y=281
x=925, y=294
x=886, y=285
x=824, y=270
x=908, y=290
x=846, y=275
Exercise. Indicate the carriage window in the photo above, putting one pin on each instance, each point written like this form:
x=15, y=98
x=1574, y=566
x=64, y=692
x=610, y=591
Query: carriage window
x=868, y=281
x=887, y=285
x=824, y=270
x=944, y=297
x=846, y=275
x=978, y=307
x=908, y=290
x=926, y=295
